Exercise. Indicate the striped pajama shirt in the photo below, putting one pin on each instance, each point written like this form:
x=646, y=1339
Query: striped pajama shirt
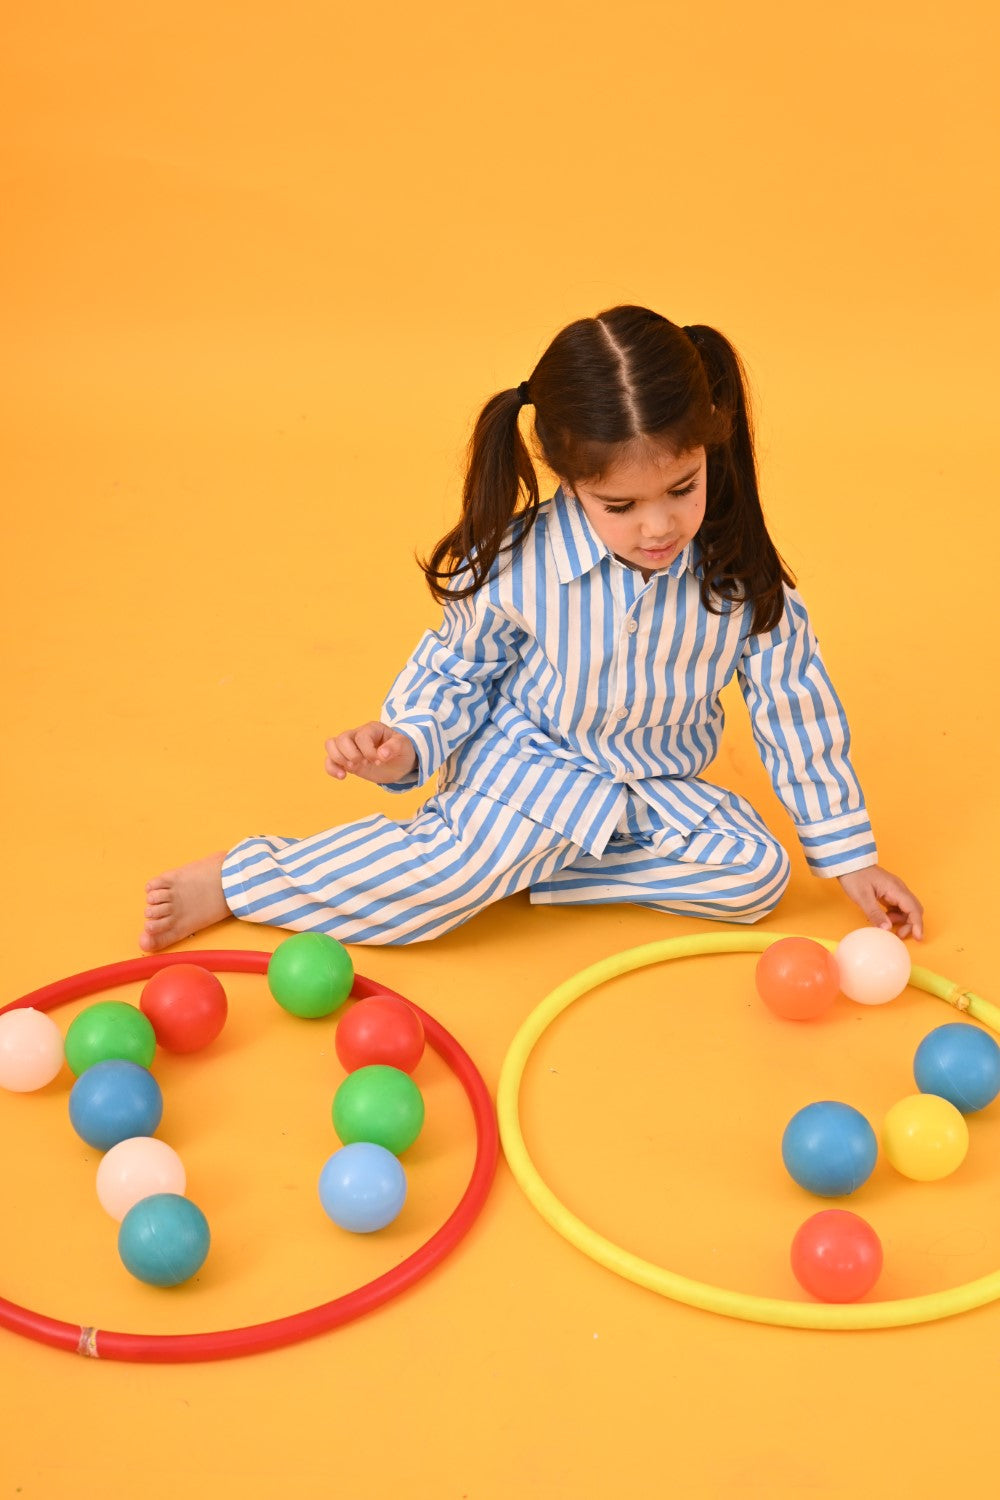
x=567, y=709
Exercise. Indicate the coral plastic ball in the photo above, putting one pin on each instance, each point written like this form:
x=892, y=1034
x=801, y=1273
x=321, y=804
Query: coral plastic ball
x=114, y=1100
x=381, y=1105
x=380, y=1029
x=362, y=1187
x=925, y=1137
x=797, y=978
x=31, y=1050
x=874, y=965
x=109, y=1029
x=829, y=1148
x=186, y=1006
x=164, y=1239
x=138, y=1168
x=310, y=974
x=836, y=1256
x=960, y=1063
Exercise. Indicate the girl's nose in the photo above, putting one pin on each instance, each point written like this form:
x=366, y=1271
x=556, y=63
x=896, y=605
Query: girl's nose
x=658, y=524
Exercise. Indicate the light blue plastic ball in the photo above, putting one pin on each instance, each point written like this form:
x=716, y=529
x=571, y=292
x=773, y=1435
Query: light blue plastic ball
x=113, y=1101
x=362, y=1187
x=959, y=1063
x=164, y=1239
x=830, y=1149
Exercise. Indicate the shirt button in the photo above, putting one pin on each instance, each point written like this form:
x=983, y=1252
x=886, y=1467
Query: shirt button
x=621, y=713
x=632, y=626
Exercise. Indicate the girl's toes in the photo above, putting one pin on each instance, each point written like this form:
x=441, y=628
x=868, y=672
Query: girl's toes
x=155, y=935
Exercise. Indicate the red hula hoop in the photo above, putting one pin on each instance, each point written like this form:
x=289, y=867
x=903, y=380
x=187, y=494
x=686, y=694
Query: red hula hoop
x=173, y=1348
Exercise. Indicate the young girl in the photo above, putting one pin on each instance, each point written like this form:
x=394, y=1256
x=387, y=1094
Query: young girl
x=569, y=701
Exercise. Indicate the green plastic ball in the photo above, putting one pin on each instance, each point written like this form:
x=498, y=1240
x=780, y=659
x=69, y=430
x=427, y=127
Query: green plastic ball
x=109, y=1029
x=381, y=1105
x=310, y=974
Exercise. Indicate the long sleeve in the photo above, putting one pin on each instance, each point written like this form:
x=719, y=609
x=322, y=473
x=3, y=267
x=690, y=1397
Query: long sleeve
x=804, y=742
x=444, y=693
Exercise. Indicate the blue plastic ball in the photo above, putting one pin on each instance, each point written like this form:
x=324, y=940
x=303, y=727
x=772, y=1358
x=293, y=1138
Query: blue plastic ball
x=362, y=1187
x=113, y=1101
x=164, y=1239
x=829, y=1149
x=960, y=1063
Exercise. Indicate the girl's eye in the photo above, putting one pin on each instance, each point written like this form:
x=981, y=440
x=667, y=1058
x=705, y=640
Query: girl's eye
x=619, y=510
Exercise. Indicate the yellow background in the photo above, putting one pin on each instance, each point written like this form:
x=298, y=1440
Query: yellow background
x=261, y=267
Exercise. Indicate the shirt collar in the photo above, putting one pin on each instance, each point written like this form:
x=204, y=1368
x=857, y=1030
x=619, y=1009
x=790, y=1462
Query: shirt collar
x=576, y=547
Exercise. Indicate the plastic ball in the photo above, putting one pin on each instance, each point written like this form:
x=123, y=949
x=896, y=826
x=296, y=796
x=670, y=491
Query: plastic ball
x=960, y=1063
x=31, y=1050
x=186, y=1005
x=164, y=1239
x=874, y=965
x=836, y=1256
x=310, y=974
x=362, y=1187
x=380, y=1105
x=380, y=1029
x=111, y=1028
x=797, y=978
x=925, y=1137
x=829, y=1148
x=138, y=1168
x=114, y=1100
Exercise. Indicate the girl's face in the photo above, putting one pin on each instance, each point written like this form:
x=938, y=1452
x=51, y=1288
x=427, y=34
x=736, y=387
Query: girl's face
x=647, y=511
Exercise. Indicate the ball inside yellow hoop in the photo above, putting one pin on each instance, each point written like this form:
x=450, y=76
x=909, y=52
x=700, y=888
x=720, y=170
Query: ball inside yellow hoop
x=785, y=1314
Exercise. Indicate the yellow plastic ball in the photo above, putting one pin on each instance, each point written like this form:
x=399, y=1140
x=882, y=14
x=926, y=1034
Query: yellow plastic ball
x=925, y=1137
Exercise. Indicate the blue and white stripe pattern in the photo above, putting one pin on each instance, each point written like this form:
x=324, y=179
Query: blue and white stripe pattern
x=568, y=709
x=566, y=682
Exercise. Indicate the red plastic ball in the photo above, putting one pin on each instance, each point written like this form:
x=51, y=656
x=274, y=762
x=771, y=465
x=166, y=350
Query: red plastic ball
x=836, y=1256
x=186, y=1006
x=382, y=1030
x=797, y=978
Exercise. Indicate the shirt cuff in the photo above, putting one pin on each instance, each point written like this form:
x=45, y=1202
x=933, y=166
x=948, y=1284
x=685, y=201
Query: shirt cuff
x=836, y=846
x=425, y=746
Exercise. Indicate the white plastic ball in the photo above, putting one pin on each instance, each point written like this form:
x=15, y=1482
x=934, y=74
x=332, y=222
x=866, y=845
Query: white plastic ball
x=136, y=1169
x=31, y=1050
x=874, y=965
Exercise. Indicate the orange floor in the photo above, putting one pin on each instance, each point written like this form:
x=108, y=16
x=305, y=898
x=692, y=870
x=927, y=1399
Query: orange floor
x=262, y=268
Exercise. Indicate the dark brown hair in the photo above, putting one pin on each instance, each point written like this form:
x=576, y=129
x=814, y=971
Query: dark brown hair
x=610, y=390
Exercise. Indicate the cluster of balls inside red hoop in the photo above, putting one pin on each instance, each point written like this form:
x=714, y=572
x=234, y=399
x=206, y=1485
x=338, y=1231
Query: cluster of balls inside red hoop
x=829, y=1147
x=116, y=1105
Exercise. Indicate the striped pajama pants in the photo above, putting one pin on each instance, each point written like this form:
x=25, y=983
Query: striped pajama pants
x=381, y=881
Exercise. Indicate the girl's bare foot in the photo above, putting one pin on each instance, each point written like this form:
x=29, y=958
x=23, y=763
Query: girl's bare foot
x=181, y=902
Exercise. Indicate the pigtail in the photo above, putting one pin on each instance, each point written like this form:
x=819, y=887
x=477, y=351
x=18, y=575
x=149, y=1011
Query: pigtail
x=739, y=558
x=499, y=465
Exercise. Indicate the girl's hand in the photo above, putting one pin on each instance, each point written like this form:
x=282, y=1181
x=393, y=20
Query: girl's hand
x=374, y=752
x=885, y=900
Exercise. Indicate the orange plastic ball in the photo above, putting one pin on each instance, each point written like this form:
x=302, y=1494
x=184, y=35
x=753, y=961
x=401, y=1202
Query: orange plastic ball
x=797, y=978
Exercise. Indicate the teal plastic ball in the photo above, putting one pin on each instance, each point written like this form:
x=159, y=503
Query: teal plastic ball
x=164, y=1239
x=310, y=974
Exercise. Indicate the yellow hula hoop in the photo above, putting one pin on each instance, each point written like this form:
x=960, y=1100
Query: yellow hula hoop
x=786, y=1314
